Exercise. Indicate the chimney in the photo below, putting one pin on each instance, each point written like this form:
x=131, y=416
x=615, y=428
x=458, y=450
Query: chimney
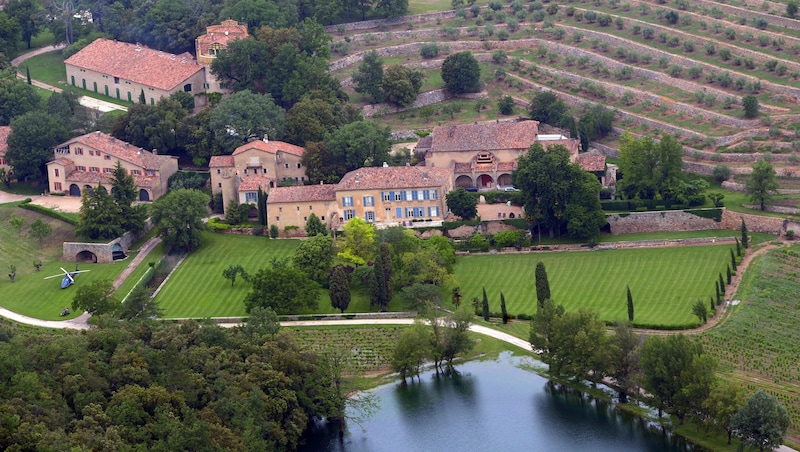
x=212, y=36
x=155, y=151
x=266, y=138
x=385, y=165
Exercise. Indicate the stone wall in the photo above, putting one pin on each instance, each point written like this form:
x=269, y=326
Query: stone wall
x=678, y=220
x=414, y=18
x=103, y=251
x=423, y=100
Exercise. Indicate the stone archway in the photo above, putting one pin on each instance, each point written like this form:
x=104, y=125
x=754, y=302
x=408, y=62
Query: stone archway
x=464, y=181
x=86, y=256
x=74, y=190
x=504, y=180
x=88, y=189
x=144, y=195
x=485, y=181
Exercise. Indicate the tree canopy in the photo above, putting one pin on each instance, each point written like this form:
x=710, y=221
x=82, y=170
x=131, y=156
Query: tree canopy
x=30, y=145
x=179, y=217
x=761, y=422
x=369, y=76
x=359, y=144
x=245, y=116
x=461, y=73
x=462, y=203
x=283, y=288
x=762, y=184
x=650, y=169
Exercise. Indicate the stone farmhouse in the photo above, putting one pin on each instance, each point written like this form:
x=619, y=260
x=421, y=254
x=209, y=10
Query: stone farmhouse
x=85, y=161
x=259, y=163
x=5, y=131
x=125, y=71
x=385, y=196
x=483, y=155
x=210, y=44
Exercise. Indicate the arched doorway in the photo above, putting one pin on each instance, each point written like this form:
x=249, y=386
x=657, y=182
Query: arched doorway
x=117, y=253
x=86, y=256
x=74, y=190
x=504, y=180
x=144, y=195
x=485, y=180
x=464, y=181
x=88, y=189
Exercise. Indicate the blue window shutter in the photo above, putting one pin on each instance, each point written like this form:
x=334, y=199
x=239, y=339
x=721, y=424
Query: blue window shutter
x=398, y=212
x=430, y=213
x=391, y=196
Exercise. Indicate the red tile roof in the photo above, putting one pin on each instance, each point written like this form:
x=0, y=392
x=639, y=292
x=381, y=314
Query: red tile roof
x=63, y=161
x=591, y=162
x=227, y=31
x=485, y=136
x=221, y=161
x=302, y=193
x=251, y=183
x=5, y=131
x=425, y=142
x=507, y=166
x=273, y=147
x=121, y=150
x=394, y=177
x=90, y=178
x=136, y=63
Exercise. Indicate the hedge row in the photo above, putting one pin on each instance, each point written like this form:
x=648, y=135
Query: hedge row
x=26, y=204
x=714, y=214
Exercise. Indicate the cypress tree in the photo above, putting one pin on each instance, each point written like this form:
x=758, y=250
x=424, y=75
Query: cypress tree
x=630, y=304
x=738, y=248
x=386, y=257
x=262, y=207
x=503, y=308
x=142, y=99
x=729, y=274
x=485, y=306
x=733, y=260
x=542, y=284
x=745, y=238
x=712, y=304
x=716, y=285
x=340, y=288
x=378, y=285
x=721, y=284
x=28, y=74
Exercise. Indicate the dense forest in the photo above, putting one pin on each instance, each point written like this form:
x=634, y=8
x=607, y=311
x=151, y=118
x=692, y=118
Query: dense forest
x=160, y=386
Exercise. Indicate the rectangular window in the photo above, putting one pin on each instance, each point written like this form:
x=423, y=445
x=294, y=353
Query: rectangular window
x=433, y=211
x=150, y=173
x=426, y=194
x=264, y=170
x=94, y=169
x=414, y=196
x=245, y=170
x=369, y=216
x=398, y=212
x=409, y=212
x=419, y=212
x=64, y=150
x=348, y=214
x=55, y=172
x=347, y=201
x=78, y=151
x=386, y=195
x=299, y=166
x=219, y=185
x=91, y=152
x=409, y=196
x=108, y=170
x=286, y=165
x=369, y=201
x=398, y=195
x=277, y=218
x=107, y=157
x=57, y=186
x=80, y=168
x=116, y=80
x=250, y=197
x=136, y=172
x=435, y=194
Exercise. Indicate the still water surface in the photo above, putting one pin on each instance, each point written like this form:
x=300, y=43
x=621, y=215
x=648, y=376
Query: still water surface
x=494, y=406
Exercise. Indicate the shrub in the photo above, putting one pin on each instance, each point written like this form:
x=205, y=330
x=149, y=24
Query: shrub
x=675, y=71
x=503, y=35
x=724, y=54
x=688, y=46
x=695, y=72
x=429, y=50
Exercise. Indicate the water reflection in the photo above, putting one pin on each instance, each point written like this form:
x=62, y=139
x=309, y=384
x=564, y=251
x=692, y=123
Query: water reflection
x=499, y=406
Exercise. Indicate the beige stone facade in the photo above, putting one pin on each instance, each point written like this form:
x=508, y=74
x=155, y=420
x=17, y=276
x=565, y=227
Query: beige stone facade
x=216, y=39
x=261, y=163
x=483, y=155
x=291, y=206
x=89, y=160
x=124, y=71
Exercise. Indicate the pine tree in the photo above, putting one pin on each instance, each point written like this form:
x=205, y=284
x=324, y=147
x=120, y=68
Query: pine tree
x=630, y=305
x=729, y=275
x=503, y=308
x=745, y=238
x=485, y=306
x=733, y=260
x=542, y=284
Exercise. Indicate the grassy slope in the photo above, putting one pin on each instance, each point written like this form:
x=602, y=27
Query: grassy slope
x=760, y=342
x=597, y=280
x=31, y=295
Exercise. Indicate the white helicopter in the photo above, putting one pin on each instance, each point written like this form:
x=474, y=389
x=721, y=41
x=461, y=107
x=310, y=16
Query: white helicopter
x=68, y=278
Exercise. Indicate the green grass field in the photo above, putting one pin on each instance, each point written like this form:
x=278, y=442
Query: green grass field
x=47, y=67
x=665, y=282
x=197, y=288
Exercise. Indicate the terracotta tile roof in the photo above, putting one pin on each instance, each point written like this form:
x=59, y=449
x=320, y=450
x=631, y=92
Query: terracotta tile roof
x=394, y=177
x=63, y=161
x=147, y=66
x=591, y=162
x=121, y=150
x=221, y=161
x=273, y=147
x=493, y=136
x=251, y=183
x=90, y=178
x=222, y=34
x=425, y=142
x=569, y=143
x=507, y=166
x=5, y=131
x=302, y=193
x=462, y=167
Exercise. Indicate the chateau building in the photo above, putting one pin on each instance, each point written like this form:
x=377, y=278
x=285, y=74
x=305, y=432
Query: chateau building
x=85, y=161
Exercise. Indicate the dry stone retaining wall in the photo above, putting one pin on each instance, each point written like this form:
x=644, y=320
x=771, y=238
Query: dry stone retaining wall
x=413, y=18
x=755, y=223
x=678, y=220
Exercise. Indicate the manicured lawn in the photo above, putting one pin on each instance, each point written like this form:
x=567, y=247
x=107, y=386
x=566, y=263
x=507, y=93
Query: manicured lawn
x=197, y=288
x=664, y=282
x=47, y=67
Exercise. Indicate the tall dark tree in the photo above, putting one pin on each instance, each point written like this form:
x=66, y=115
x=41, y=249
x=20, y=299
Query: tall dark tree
x=762, y=184
x=721, y=284
x=124, y=192
x=729, y=275
x=624, y=359
x=401, y=84
x=369, y=77
x=738, y=246
x=745, y=237
x=762, y=422
x=547, y=108
x=461, y=73
x=542, y=284
x=282, y=288
x=717, y=291
x=314, y=257
x=29, y=15
x=339, y=286
x=649, y=168
x=262, y=206
x=100, y=217
x=384, y=250
x=503, y=308
x=30, y=145
x=733, y=258
x=246, y=116
x=485, y=306
x=359, y=144
x=179, y=217
x=630, y=304
x=700, y=309
x=380, y=287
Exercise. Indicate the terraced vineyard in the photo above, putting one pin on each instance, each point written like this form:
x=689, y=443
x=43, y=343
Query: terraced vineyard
x=666, y=66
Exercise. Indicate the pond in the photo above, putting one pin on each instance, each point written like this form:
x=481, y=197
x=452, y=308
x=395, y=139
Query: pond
x=499, y=405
